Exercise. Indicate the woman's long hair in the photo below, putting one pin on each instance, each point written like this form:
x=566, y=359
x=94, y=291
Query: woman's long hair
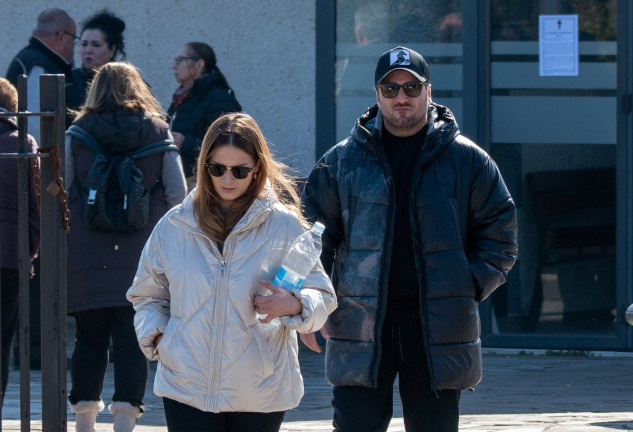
x=119, y=86
x=241, y=131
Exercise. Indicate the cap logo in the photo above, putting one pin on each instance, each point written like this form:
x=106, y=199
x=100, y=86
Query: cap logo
x=399, y=58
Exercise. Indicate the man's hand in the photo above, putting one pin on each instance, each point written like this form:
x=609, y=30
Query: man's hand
x=310, y=339
x=280, y=303
x=178, y=138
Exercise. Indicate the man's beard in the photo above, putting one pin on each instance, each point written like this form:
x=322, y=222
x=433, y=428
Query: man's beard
x=404, y=124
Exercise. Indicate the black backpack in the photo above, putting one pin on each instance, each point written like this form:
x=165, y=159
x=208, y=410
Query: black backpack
x=115, y=198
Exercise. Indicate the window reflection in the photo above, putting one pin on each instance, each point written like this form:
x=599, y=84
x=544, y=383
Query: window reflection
x=517, y=20
x=560, y=172
x=366, y=29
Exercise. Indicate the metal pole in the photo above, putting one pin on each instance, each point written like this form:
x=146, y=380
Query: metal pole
x=24, y=343
x=53, y=258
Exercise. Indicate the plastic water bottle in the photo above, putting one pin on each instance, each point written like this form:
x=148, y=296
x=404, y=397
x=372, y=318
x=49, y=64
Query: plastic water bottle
x=301, y=258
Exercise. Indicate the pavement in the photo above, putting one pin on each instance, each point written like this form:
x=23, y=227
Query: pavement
x=527, y=391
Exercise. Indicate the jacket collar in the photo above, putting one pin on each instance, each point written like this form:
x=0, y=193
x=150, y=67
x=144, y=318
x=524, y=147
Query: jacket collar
x=185, y=216
x=37, y=43
x=8, y=122
x=442, y=129
x=208, y=80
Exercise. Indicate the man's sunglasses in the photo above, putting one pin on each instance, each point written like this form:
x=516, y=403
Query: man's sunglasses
x=411, y=89
x=218, y=170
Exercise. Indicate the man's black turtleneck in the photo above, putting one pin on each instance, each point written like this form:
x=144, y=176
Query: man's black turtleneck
x=401, y=154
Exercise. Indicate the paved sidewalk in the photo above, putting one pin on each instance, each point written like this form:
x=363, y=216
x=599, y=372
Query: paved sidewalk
x=520, y=392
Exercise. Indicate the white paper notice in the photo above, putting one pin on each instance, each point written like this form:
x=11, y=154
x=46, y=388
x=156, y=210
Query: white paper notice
x=558, y=45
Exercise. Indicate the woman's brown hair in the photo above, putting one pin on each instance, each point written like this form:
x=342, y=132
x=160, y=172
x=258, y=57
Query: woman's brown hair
x=119, y=86
x=241, y=131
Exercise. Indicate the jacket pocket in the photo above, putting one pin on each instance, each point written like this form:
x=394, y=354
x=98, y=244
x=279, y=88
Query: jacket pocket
x=165, y=346
x=268, y=364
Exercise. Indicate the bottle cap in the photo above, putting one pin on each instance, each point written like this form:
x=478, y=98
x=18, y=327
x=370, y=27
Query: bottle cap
x=319, y=227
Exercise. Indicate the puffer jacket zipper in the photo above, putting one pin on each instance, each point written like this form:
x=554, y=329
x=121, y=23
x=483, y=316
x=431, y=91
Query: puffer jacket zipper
x=215, y=360
x=386, y=263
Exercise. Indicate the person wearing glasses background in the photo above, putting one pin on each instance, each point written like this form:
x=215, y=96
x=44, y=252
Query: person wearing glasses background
x=419, y=228
x=101, y=41
x=49, y=51
x=122, y=115
x=201, y=281
x=202, y=96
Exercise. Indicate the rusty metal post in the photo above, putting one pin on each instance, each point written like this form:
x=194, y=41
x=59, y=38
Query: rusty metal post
x=53, y=258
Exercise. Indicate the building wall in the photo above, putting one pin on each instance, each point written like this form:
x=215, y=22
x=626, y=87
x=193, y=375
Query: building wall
x=265, y=48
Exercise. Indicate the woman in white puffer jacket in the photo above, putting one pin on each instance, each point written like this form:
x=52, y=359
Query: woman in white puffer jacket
x=203, y=272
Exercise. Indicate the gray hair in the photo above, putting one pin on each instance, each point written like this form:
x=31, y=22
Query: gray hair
x=52, y=21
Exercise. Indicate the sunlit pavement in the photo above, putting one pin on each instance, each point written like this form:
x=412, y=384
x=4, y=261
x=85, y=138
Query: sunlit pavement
x=533, y=392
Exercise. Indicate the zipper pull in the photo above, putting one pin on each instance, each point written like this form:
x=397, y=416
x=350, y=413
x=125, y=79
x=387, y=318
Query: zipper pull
x=222, y=265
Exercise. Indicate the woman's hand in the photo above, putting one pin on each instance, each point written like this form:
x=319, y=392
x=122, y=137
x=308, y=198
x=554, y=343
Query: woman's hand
x=280, y=303
x=156, y=341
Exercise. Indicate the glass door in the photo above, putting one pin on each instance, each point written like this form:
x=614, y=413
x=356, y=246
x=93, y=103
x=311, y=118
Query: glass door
x=553, y=133
x=366, y=29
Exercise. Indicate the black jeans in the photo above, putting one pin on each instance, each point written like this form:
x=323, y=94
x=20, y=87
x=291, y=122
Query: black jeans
x=10, y=282
x=184, y=418
x=362, y=409
x=89, y=362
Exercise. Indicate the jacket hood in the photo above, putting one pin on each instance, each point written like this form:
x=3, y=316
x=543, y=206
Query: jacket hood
x=118, y=131
x=215, y=78
x=7, y=122
x=442, y=129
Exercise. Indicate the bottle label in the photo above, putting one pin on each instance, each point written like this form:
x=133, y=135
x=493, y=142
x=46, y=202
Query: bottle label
x=288, y=279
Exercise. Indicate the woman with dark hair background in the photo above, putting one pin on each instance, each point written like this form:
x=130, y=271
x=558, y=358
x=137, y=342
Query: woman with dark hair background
x=202, y=96
x=101, y=42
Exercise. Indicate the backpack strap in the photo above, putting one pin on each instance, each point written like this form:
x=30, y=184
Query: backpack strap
x=153, y=148
x=85, y=137
x=147, y=150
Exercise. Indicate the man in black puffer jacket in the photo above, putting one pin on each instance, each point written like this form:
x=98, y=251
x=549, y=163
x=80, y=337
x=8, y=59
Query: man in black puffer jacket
x=420, y=228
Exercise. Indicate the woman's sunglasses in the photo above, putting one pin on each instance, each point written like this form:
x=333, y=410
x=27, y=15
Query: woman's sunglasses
x=391, y=90
x=218, y=170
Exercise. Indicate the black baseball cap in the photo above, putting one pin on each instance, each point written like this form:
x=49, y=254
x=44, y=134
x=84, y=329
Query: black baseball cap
x=402, y=58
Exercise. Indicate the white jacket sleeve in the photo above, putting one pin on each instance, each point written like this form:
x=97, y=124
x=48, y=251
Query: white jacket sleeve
x=150, y=296
x=318, y=299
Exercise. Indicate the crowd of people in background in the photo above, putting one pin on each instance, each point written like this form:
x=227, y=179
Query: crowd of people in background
x=420, y=228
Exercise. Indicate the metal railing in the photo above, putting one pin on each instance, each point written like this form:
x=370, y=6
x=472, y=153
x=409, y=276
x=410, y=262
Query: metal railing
x=54, y=224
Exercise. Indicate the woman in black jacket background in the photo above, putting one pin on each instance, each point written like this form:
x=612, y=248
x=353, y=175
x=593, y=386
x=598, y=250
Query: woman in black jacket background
x=202, y=96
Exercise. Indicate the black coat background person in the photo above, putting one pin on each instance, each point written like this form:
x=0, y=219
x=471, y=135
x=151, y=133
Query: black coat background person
x=202, y=96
